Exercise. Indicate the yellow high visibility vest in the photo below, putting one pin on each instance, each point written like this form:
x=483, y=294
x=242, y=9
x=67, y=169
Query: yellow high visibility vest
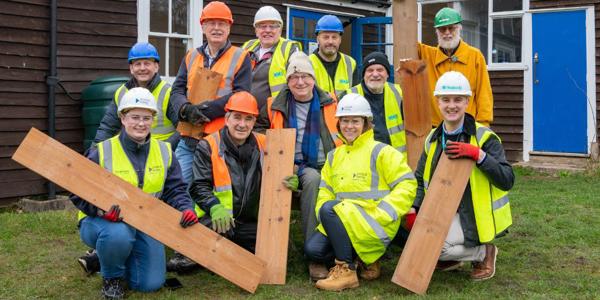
x=490, y=204
x=279, y=60
x=392, y=102
x=343, y=74
x=162, y=128
x=113, y=158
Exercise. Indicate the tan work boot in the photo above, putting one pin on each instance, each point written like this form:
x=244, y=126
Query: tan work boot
x=369, y=272
x=340, y=277
x=317, y=271
x=487, y=268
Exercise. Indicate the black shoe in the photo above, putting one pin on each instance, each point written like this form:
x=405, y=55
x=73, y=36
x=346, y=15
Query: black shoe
x=181, y=264
x=90, y=262
x=113, y=288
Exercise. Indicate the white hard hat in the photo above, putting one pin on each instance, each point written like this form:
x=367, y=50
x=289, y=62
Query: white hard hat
x=138, y=98
x=267, y=13
x=452, y=83
x=353, y=105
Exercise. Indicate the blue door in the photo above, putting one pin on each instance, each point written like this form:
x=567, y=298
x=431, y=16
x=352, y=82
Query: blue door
x=559, y=82
x=368, y=35
x=302, y=28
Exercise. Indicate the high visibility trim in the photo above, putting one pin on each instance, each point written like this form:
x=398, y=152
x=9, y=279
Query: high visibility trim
x=361, y=195
x=120, y=95
x=348, y=62
x=406, y=176
x=283, y=46
x=224, y=188
x=330, y=157
x=396, y=129
x=166, y=157
x=354, y=90
x=397, y=95
x=383, y=237
x=425, y=183
x=160, y=116
x=401, y=148
x=388, y=209
x=374, y=174
x=324, y=184
x=193, y=57
x=108, y=156
x=500, y=203
x=480, y=132
x=230, y=72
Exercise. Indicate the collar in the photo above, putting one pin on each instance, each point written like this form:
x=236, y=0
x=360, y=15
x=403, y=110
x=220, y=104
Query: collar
x=460, y=54
x=205, y=50
x=361, y=140
x=130, y=145
x=280, y=102
x=468, y=127
x=133, y=83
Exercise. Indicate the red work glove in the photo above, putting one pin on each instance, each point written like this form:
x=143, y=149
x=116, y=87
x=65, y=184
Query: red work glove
x=112, y=214
x=462, y=150
x=188, y=218
x=410, y=220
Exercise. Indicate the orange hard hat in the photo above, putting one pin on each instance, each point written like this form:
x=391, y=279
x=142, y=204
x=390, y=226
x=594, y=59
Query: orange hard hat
x=242, y=102
x=216, y=10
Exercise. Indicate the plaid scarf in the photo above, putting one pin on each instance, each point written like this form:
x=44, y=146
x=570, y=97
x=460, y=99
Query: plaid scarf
x=311, y=138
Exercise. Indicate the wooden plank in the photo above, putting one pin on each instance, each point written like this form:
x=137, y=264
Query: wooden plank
x=82, y=177
x=405, y=14
x=275, y=204
x=422, y=250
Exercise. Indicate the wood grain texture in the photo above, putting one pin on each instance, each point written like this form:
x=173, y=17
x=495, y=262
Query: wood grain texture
x=205, y=87
x=275, y=204
x=81, y=176
x=422, y=250
x=404, y=13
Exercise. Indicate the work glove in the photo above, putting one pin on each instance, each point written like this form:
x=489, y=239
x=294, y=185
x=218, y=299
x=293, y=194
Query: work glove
x=188, y=218
x=112, y=214
x=291, y=182
x=462, y=150
x=410, y=218
x=193, y=114
x=221, y=218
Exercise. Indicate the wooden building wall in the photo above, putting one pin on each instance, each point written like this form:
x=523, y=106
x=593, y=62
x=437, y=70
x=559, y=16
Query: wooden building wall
x=93, y=40
x=507, y=87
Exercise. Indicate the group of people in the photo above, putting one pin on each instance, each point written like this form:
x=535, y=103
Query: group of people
x=350, y=176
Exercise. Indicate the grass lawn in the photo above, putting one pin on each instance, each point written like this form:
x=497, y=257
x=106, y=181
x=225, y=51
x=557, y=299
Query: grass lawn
x=552, y=251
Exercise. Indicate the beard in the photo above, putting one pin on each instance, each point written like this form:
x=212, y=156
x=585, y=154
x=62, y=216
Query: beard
x=451, y=44
x=376, y=87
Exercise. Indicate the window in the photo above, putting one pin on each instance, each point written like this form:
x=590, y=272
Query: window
x=172, y=27
x=506, y=31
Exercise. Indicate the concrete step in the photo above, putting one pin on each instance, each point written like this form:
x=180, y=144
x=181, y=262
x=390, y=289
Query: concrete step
x=554, y=163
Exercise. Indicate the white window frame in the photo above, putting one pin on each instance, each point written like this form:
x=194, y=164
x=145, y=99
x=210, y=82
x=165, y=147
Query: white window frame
x=195, y=30
x=525, y=23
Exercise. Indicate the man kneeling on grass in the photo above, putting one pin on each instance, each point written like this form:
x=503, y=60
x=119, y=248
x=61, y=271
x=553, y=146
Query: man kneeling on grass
x=484, y=210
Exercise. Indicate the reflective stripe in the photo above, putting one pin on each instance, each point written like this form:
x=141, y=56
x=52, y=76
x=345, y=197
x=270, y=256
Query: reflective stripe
x=230, y=72
x=160, y=116
x=401, y=148
x=383, y=237
x=388, y=209
x=374, y=173
x=361, y=195
x=283, y=46
x=108, y=156
x=354, y=90
x=194, y=55
x=278, y=87
x=166, y=157
x=122, y=92
x=397, y=95
x=500, y=203
x=348, y=62
x=406, y=176
x=396, y=129
x=224, y=188
x=480, y=132
x=324, y=184
x=425, y=183
x=330, y=157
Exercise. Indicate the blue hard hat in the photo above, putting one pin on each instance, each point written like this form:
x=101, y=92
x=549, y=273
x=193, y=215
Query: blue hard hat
x=143, y=50
x=329, y=23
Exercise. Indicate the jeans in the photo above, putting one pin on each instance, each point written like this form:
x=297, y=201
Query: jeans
x=336, y=244
x=125, y=252
x=309, y=182
x=185, y=156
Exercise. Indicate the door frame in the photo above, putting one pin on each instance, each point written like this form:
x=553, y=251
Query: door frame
x=590, y=44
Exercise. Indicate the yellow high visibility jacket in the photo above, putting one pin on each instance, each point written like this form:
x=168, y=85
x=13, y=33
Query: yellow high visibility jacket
x=470, y=62
x=113, y=158
x=279, y=60
x=376, y=188
x=343, y=74
x=490, y=204
x=392, y=98
x=162, y=127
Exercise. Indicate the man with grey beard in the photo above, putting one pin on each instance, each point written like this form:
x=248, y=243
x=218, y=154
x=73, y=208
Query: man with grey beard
x=385, y=99
x=454, y=54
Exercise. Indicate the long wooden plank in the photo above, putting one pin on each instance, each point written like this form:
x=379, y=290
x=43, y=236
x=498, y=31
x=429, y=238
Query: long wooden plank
x=422, y=250
x=416, y=107
x=404, y=13
x=275, y=204
x=81, y=176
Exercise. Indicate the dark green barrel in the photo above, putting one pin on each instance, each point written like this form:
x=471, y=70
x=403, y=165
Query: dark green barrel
x=96, y=98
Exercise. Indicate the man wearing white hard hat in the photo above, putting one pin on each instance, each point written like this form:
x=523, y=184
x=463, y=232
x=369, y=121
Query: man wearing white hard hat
x=366, y=188
x=270, y=54
x=125, y=253
x=484, y=211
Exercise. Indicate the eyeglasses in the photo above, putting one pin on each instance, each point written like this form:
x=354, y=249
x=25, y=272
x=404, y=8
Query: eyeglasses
x=296, y=78
x=137, y=119
x=451, y=28
x=269, y=26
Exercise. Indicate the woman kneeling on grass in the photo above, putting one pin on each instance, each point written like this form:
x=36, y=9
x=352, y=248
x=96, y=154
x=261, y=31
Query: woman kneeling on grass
x=366, y=188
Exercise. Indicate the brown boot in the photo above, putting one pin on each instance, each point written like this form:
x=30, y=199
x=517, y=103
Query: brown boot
x=317, y=271
x=487, y=268
x=340, y=277
x=448, y=265
x=369, y=272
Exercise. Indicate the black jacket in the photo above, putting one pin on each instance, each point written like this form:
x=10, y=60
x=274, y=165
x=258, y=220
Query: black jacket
x=498, y=171
x=244, y=165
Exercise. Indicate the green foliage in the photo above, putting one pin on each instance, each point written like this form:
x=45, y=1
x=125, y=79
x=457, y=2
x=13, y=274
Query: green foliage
x=550, y=252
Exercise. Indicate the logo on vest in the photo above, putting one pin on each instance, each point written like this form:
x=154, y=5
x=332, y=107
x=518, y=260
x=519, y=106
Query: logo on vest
x=155, y=169
x=344, y=81
x=278, y=74
x=393, y=117
x=362, y=177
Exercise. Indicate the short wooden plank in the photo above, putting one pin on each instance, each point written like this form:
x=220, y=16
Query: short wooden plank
x=422, y=250
x=202, y=89
x=80, y=176
x=275, y=204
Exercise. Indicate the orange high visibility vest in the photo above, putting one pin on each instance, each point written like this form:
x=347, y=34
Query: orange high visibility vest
x=228, y=64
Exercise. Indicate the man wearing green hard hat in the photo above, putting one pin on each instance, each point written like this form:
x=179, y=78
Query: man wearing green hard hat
x=454, y=54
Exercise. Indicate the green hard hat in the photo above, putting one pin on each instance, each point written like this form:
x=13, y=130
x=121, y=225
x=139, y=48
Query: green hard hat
x=446, y=16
